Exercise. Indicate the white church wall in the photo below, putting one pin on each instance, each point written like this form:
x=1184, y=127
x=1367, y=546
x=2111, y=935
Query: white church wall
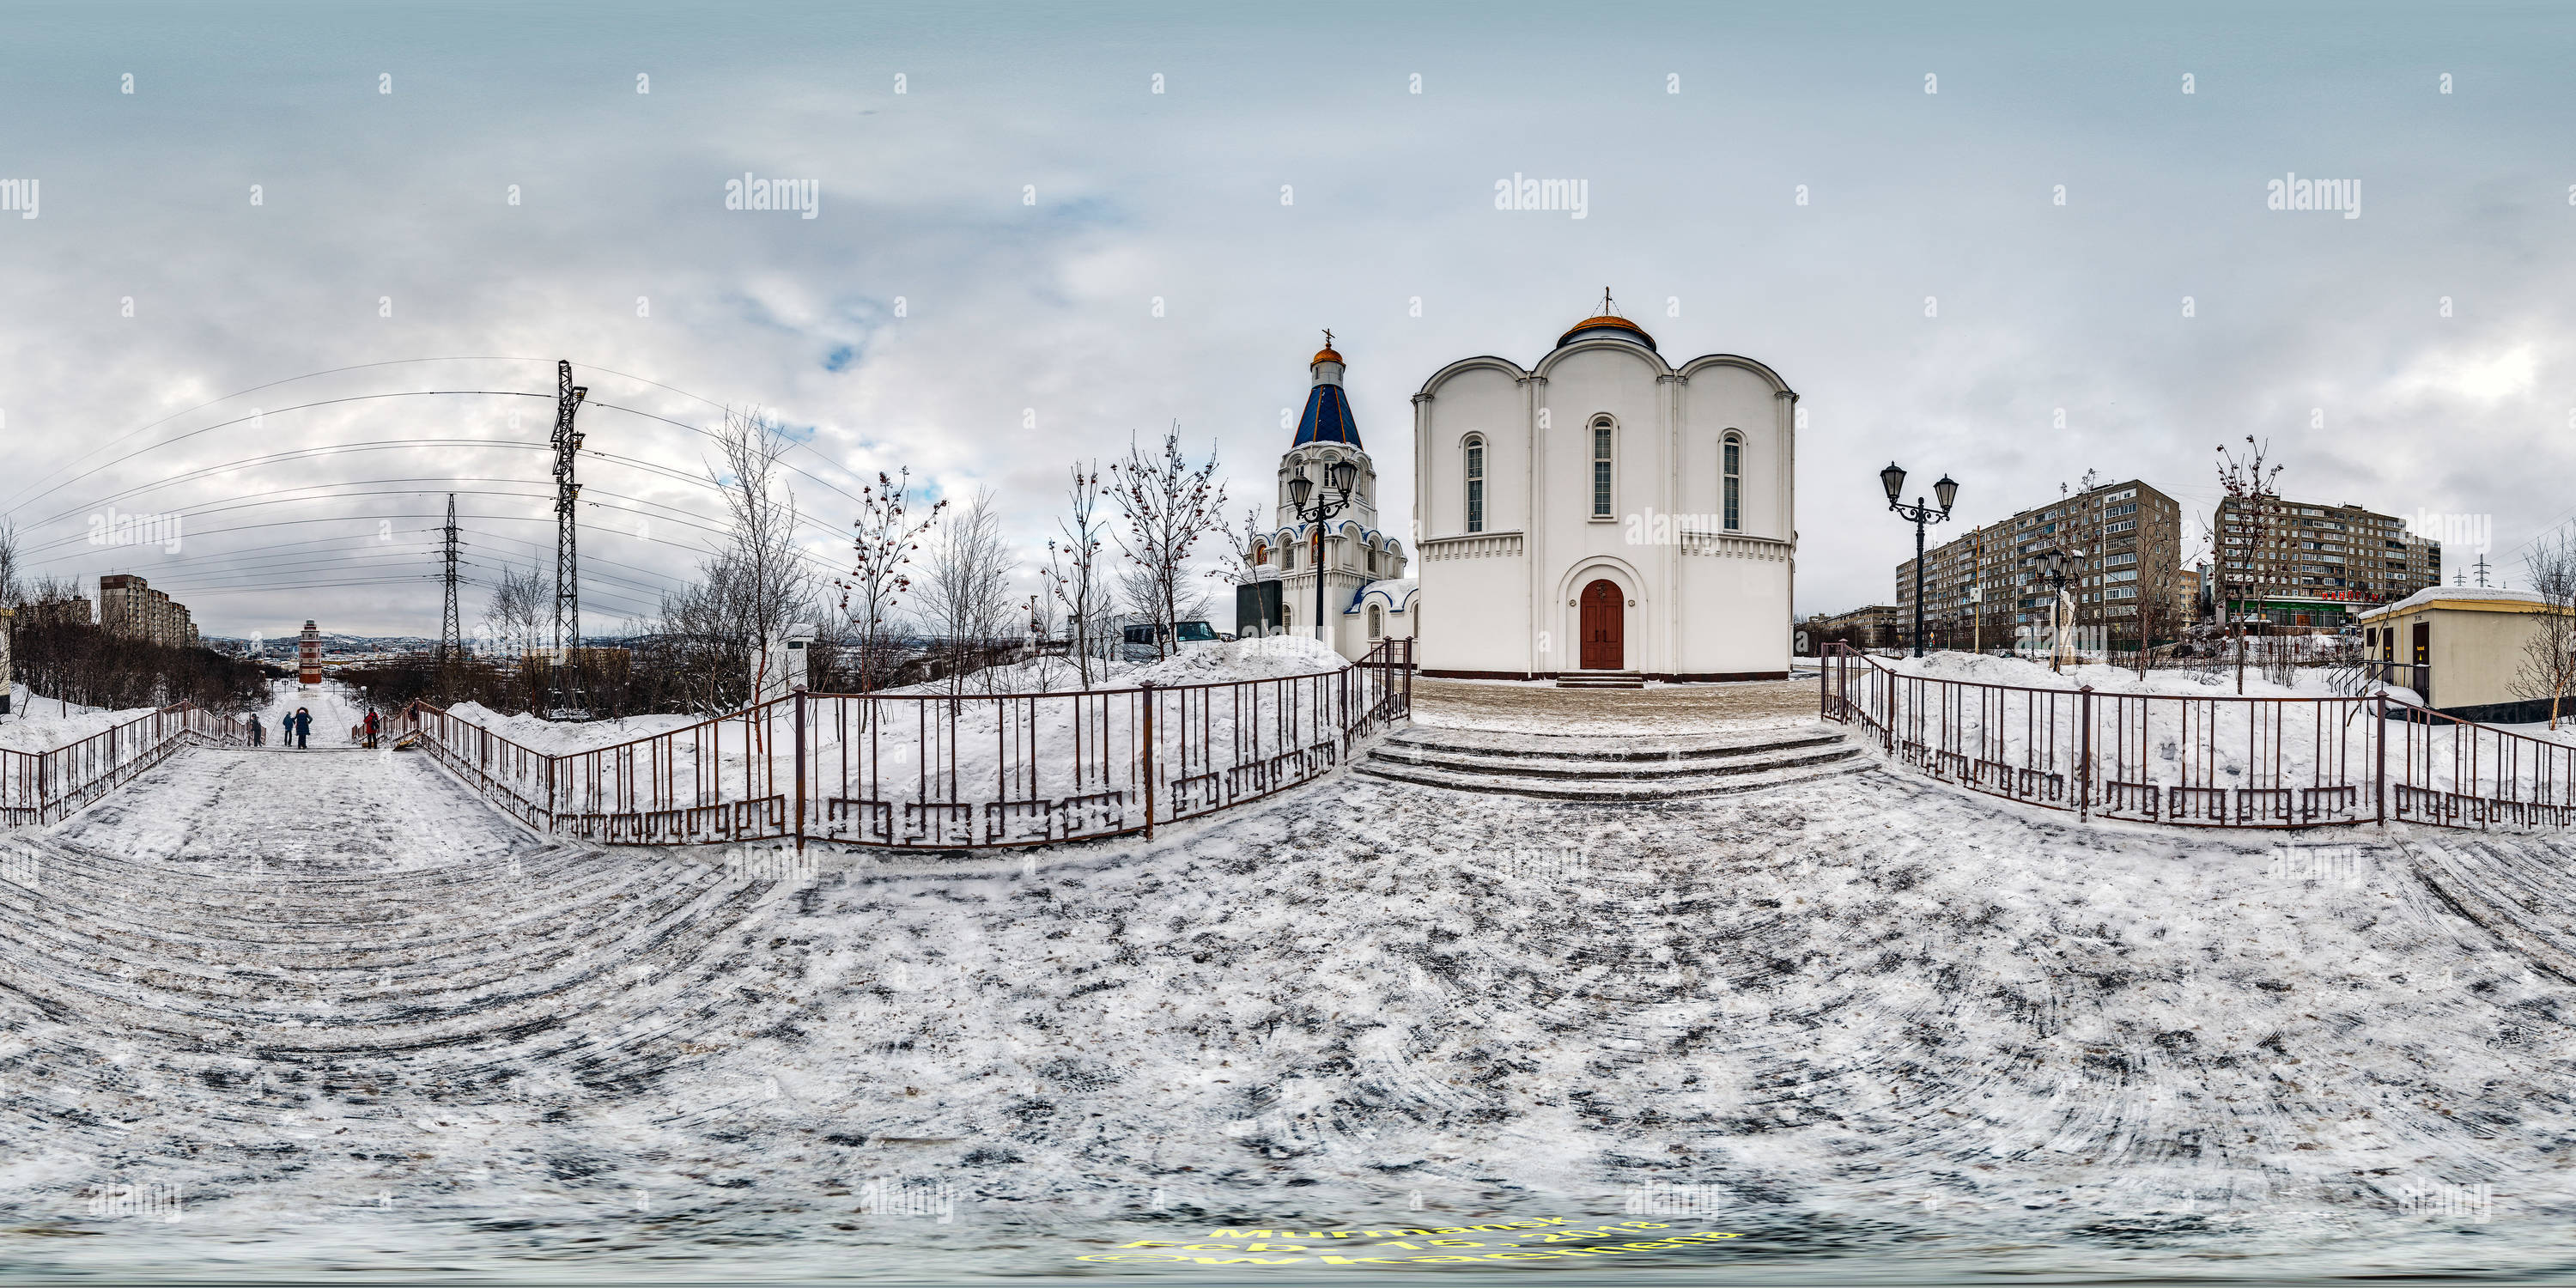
x=1735, y=616
x=1718, y=399
x=1478, y=400
x=1486, y=626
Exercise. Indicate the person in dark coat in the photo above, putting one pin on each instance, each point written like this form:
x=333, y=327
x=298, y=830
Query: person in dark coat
x=286, y=729
x=258, y=730
x=303, y=727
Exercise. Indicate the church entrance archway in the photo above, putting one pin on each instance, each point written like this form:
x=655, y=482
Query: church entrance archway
x=1603, y=627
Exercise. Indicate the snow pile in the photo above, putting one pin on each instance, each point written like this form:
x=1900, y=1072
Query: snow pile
x=1983, y=668
x=564, y=737
x=1270, y=658
x=1037, y=675
x=43, y=724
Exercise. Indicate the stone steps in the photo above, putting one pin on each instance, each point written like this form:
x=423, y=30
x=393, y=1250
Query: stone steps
x=1609, y=769
x=1600, y=680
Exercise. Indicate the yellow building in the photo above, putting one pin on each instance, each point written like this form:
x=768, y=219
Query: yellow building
x=2462, y=648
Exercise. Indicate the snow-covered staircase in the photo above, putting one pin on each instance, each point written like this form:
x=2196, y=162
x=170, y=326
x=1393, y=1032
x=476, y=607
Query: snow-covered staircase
x=1587, y=768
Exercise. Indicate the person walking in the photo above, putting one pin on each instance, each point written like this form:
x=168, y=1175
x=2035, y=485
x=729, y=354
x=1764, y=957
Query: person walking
x=258, y=730
x=285, y=730
x=371, y=728
x=303, y=727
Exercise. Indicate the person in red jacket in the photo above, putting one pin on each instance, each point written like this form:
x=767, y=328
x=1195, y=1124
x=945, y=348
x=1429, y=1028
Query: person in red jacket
x=371, y=726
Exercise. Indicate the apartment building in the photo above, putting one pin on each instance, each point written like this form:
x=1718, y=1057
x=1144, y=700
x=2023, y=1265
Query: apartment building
x=2307, y=564
x=1873, y=626
x=1984, y=588
x=127, y=605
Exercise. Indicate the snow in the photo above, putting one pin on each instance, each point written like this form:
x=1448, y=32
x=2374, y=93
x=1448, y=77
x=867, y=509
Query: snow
x=1983, y=668
x=2489, y=594
x=567, y=737
x=43, y=724
x=1267, y=658
x=1876, y=1026
x=1064, y=745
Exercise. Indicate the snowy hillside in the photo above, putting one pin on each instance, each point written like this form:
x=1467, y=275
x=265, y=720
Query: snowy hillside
x=42, y=724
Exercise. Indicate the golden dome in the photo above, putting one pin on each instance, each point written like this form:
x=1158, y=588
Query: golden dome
x=1606, y=320
x=1325, y=355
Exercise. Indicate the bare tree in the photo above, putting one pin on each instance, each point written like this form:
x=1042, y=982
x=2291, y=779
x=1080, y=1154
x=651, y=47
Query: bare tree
x=1167, y=506
x=2245, y=528
x=11, y=592
x=521, y=603
x=770, y=580
x=965, y=587
x=2158, y=560
x=883, y=540
x=2548, y=667
x=1074, y=576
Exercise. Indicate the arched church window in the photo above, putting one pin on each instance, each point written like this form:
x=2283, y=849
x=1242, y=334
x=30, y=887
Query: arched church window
x=1734, y=481
x=1475, y=483
x=1377, y=622
x=1601, y=431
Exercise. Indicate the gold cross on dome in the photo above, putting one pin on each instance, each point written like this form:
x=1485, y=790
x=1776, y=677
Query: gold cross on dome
x=1328, y=337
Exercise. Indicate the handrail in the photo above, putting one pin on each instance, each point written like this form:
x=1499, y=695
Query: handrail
x=2205, y=760
x=990, y=770
x=50, y=784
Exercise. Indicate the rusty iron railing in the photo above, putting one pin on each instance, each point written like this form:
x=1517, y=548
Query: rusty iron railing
x=938, y=771
x=2215, y=761
x=52, y=784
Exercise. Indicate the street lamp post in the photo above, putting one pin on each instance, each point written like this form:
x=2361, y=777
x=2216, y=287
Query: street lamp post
x=1341, y=477
x=1893, y=478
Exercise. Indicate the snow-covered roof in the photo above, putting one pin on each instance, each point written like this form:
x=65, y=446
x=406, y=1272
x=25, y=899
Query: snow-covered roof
x=2443, y=596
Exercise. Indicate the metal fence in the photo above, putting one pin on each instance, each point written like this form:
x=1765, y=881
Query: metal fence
x=45, y=786
x=939, y=771
x=2217, y=761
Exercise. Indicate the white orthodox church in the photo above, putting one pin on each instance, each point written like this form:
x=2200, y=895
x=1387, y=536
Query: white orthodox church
x=1604, y=512
x=1367, y=597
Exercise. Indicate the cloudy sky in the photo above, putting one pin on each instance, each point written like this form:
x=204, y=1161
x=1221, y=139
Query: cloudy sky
x=1004, y=199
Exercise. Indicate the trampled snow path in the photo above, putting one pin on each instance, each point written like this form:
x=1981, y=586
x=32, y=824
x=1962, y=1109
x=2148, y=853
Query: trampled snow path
x=314, y=811
x=1867, y=1018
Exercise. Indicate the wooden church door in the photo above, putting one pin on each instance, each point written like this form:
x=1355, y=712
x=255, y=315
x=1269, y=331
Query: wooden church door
x=1602, y=619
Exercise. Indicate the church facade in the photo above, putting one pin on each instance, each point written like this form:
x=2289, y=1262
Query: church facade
x=1605, y=514
x=1367, y=596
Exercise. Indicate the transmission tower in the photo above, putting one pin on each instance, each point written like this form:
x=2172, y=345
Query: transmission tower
x=567, y=443
x=447, y=629
x=2482, y=570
